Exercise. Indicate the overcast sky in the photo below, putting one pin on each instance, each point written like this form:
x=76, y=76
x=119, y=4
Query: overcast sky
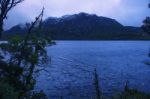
x=127, y=12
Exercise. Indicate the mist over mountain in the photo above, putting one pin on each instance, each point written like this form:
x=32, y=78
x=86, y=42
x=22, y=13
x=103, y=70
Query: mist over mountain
x=83, y=26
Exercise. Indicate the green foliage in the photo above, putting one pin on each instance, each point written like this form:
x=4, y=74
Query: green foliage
x=146, y=24
x=7, y=91
x=131, y=94
x=146, y=27
x=39, y=95
x=23, y=57
x=126, y=94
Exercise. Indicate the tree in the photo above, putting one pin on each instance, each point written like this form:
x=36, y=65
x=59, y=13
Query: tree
x=5, y=7
x=146, y=24
x=24, y=57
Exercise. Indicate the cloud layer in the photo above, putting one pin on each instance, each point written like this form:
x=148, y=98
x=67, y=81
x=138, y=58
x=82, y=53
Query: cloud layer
x=128, y=12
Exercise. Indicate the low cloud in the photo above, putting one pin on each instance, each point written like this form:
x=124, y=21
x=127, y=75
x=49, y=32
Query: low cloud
x=128, y=12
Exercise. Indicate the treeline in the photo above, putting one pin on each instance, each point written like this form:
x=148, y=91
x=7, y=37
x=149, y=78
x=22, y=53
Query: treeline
x=84, y=26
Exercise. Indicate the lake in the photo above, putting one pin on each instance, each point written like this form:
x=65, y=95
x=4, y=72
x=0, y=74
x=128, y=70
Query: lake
x=70, y=71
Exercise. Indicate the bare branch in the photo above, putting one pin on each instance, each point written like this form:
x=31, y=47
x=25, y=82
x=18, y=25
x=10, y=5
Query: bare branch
x=5, y=7
x=37, y=19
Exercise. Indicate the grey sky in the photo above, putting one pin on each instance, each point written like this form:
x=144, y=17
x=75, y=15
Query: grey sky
x=127, y=12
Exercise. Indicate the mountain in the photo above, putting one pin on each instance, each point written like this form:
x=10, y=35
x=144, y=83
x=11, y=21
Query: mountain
x=84, y=26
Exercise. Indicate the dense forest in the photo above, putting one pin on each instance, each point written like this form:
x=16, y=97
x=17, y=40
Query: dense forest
x=83, y=26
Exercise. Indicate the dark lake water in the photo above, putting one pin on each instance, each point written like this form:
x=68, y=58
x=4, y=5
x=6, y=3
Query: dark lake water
x=71, y=71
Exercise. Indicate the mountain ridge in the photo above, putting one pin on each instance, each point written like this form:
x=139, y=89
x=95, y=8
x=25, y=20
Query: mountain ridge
x=84, y=26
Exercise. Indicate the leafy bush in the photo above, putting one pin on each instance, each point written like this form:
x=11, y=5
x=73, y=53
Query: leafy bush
x=7, y=91
x=23, y=57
